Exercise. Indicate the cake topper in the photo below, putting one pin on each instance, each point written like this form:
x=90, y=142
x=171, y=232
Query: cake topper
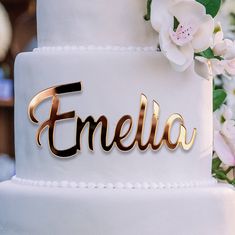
x=120, y=135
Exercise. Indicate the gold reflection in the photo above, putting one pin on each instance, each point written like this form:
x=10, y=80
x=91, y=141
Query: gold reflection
x=102, y=123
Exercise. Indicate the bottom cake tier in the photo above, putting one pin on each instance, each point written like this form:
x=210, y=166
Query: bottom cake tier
x=32, y=210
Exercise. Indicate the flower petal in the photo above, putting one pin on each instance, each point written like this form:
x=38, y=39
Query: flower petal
x=230, y=66
x=169, y=49
x=201, y=67
x=217, y=67
x=188, y=53
x=202, y=38
x=160, y=15
x=230, y=53
x=216, y=123
x=228, y=129
x=223, y=150
x=188, y=12
x=220, y=49
x=218, y=37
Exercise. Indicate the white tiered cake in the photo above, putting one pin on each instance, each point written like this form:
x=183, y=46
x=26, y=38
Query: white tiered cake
x=96, y=61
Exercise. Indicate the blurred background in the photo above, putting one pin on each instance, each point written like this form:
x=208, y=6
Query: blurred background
x=17, y=34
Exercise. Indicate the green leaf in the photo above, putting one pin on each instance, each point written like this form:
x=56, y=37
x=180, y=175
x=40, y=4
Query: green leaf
x=229, y=169
x=208, y=53
x=216, y=162
x=219, y=58
x=176, y=23
x=148, y=15
x=221, y=175
x=219, y=97
x=233, y=182
x=212, y=6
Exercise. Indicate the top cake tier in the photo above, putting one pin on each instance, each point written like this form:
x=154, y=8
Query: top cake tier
x=93, y=22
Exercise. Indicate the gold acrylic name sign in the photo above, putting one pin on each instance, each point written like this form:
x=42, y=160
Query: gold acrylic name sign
x=119, y=136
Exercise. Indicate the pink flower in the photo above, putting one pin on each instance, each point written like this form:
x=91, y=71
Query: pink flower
x=223, y=48
x=192, y=35
x=224, y=136
x=229, y=66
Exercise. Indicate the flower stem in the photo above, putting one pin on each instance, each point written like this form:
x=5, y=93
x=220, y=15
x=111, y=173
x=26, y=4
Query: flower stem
x=229, y=169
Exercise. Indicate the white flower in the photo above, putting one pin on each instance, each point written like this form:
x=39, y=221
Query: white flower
x=228, y=7
x=208, y=68
x=224, y=136
x=193, y=33
x=229, y=86
x=219, y=45
x=5, y=32
x=229, y=66
x=224, y=17
x=227, y=27
x=160, y=13
x=228, y=54
x=223, y=48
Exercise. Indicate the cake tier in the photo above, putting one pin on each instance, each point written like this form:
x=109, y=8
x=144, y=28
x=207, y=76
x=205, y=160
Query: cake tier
x=96, y=22
x=113, y=80
x=41, y=210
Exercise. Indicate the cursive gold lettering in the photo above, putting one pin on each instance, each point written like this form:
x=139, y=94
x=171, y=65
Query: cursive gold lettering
x=102, y=122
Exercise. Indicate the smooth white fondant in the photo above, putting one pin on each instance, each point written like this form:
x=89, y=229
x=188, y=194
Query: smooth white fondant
x=27, y=210
x=112, y=83
x=96, y=22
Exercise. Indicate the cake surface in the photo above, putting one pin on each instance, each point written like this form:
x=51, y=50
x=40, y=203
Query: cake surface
x=96, y=22
x=27, y=210
x=91, y=63
x=113, y=88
